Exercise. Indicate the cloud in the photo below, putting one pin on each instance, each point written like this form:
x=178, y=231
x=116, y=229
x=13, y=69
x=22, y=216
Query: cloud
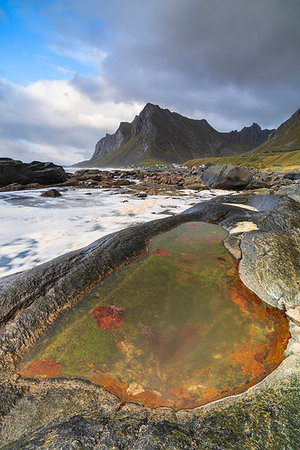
x=54, y=120
x=190, y=55
x=79, y=52
x=235, y=61
x=232, y=62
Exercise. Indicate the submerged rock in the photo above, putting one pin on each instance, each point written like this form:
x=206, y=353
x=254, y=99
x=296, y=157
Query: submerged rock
x=109, y=317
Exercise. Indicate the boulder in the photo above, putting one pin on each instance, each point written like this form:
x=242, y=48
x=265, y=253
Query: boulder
x=226, y=177
x=44, y=173
x=292, y=176
x=291, y=191
x=51, y=193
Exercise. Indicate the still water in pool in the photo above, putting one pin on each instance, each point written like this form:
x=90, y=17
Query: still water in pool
x=174, y=328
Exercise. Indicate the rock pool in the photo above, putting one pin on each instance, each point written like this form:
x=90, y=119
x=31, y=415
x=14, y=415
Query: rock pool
x=174, y=328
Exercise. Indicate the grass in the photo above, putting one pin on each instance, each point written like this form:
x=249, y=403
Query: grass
x=282, y=160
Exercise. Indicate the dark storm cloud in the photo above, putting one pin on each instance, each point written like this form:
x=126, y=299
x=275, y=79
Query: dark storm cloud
x=232, y=58
x=234, y=61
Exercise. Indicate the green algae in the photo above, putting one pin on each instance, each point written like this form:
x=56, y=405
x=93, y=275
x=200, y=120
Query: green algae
x=191, y=332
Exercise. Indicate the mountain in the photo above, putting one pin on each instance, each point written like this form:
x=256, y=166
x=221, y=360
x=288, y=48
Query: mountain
x=157, y=135
x=286, y=137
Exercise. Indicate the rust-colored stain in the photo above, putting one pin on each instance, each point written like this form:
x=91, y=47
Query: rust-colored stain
x=161, y=252
x=149, y=399
x=245, y=356
x=109, y=317
x=116, y=387
x=252, y=358
x=41, y=369
x=192, y=226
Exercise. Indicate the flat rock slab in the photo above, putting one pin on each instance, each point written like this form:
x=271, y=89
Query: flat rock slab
x=270, y=267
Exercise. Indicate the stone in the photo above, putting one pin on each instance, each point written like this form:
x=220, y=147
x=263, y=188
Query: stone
x=44, y=173
x=292, y=175
x=226, y=177
x=292, y=191
x=266, y=272
x=195, y=186
x=51, y=193
x=294, y=314
x=12, y=187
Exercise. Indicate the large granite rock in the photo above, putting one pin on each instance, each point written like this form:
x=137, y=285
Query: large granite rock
x=44, y=173
x=226, y=177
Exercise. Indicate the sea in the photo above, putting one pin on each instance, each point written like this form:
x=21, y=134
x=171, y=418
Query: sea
x=36, y=229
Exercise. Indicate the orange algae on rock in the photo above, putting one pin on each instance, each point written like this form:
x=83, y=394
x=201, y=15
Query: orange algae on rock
x=149, y=399
x=41, y=369
x=109, y=317
x=259, y=360
x=116, y=387
x=245, y=356
x=161, y=252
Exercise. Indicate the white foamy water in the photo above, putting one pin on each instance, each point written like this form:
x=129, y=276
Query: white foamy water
x=36, y=229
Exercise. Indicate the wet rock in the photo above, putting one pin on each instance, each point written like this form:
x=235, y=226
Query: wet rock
x=51, y=193
x=292, y=175
x=232, y=243
x=226, y=177
x=52, y=402
x=44, y=173
x=195, y=186
x=291, y=191
x=142, y=195
x=275, y=257
x=12, y=187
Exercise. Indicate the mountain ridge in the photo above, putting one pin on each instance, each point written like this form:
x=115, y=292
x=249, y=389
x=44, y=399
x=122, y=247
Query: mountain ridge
x=159, y=135
x=285, y=137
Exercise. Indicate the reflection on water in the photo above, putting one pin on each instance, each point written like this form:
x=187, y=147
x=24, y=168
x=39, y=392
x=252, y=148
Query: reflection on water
x=175, y=328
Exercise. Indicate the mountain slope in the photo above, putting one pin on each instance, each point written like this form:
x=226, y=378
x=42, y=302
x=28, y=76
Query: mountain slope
x=158, y=135
x=286, y=137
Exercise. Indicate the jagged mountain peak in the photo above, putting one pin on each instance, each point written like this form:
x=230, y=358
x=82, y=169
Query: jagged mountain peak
x=255, y=125
x=159, y=135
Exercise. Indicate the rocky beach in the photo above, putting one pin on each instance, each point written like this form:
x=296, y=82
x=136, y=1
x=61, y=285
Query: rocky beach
x=260, y=216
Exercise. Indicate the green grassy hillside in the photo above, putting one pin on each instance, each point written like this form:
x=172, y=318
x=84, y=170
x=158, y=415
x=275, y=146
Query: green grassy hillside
x=277, y=161
x=285, y=138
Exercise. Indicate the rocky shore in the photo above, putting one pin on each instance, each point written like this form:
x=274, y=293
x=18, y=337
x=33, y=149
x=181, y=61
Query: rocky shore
x=263, y=234
x=141, y=182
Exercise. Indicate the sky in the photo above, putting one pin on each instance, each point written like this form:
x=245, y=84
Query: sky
x=71, y=70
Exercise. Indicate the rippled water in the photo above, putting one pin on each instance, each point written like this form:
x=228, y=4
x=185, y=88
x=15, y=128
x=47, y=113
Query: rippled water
x=175, y=328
